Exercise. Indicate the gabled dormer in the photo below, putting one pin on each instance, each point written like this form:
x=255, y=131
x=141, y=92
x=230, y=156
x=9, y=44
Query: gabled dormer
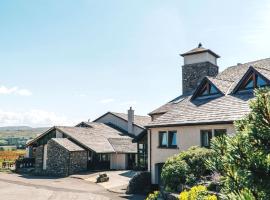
x=206, y=89
x=251, y=80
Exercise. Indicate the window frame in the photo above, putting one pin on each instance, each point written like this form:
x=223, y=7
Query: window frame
x=251, y=76
x=207, y=87
x=210, y=136
x=220, y=129
x=169, y=139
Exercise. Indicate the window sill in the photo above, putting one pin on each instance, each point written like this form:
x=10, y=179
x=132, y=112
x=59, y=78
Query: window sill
x=161, y=147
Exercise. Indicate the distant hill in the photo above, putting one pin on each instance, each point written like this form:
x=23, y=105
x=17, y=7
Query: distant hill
x=21, y=131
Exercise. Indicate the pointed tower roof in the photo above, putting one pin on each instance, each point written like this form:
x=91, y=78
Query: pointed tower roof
x=200, y=49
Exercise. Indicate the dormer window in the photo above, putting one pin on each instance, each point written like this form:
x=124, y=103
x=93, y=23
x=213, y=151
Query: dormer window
x=205, y=90
x=252, y=80
x=208, y=89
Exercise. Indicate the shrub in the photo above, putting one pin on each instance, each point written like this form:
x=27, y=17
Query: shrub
x=195, y=157
x=245, y=194
x=153, y=196
x=174, y=172
x=140, y=183
x=197, y=193
x=185, y=168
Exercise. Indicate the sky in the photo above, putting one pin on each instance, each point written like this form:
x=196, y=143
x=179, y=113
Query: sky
x=66, y=61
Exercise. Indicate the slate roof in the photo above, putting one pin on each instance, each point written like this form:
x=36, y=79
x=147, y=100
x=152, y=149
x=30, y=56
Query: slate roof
x=67, y=144
x=200, y=49
x=223, y=109
x=95, y=138
x=138, y=119
x=122, y=145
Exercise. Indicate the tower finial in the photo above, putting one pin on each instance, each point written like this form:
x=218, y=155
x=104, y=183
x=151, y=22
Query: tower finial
x=200, y=45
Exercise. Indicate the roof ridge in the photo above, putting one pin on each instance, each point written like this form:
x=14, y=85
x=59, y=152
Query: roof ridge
x=127, y=114
x=111, y=144
x=241, y=64
x=219, y=79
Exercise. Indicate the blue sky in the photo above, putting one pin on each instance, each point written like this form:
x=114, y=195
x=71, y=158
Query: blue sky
x=66, y=61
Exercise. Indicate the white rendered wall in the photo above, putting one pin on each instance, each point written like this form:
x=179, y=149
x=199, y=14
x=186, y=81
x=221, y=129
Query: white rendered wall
x=200, y=57
x=118, y=161
x=187, y=136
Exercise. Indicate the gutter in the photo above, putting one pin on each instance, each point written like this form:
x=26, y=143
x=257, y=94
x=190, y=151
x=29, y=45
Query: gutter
x=191, y=124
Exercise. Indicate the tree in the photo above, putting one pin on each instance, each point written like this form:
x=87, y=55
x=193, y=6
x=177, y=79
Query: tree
x=244, y=159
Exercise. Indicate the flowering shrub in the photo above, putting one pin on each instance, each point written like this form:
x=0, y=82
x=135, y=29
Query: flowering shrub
x=197, y=193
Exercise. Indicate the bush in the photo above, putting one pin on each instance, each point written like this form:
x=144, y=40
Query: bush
x=185, y=168
x=153, y=196
x=197, y=193
x=174, y=173
x=140, y=183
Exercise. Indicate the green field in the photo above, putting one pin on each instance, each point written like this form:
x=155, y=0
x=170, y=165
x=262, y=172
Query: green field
x=20, y=131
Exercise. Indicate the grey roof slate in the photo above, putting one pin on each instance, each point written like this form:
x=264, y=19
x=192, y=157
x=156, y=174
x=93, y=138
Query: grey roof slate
x=199, y=49
x=123, y=145
x=67, y=144
x=225, y=108
x=139, y=120
x=96, y=137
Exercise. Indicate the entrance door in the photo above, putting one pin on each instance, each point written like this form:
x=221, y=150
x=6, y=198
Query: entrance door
x=131, y=162
x=158, y=169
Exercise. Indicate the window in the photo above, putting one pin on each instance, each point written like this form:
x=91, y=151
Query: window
x=252, y=81
x=168, y=139
x=172, y=139
x=208, y=89
x=205, y=90
x=163, y=141
x=220, y=132
x=206, y=136
x=104, y=157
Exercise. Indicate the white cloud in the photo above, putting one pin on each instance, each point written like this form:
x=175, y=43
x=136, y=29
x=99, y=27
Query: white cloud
x=106, y=101
x=33, y=118
x=14, y=90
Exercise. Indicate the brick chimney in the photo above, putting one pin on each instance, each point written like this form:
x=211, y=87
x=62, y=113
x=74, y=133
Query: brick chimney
x=130, y=120
x=198, y=63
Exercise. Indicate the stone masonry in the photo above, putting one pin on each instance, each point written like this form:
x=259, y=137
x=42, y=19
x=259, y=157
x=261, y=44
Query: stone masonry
x=39, y=160
x=192, y=74
x=62, y=162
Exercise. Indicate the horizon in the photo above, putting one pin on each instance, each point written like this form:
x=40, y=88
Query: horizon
x=65, y=62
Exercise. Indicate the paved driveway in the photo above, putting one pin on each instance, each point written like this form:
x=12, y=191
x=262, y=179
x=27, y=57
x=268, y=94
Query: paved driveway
x=14, y=187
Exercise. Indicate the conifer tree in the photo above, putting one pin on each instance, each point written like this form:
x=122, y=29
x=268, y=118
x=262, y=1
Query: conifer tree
x=243, y=161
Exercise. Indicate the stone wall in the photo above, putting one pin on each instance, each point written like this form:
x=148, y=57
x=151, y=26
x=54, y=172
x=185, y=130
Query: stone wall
x=39, y=160
x=58, y=160
x=192, y=74
x=78, y=161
